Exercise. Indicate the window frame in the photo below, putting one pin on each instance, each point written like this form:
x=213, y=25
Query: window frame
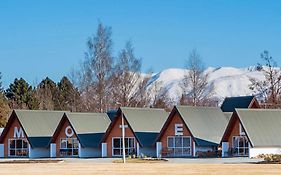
x=68, y=148
x=127, y=147
x=20, y=149
x=175, y=148
x=245, y=147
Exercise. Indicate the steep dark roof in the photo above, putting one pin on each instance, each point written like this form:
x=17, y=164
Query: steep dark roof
x=230, y=103
x=112, y=114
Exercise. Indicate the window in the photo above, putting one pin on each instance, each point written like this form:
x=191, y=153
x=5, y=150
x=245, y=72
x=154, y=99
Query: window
x=117, y=146
x=240, y=145
x=69, y=147
x=241, y=129
x=180, y=145
x=17, y=148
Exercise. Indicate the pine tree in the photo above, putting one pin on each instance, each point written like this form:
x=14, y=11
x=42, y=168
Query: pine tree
x=47, y=94
x=68, y=96
x=21, y=95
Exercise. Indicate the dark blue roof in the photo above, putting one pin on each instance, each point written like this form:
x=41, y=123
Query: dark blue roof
x=39, y=142
x=90, y=140
x=147, y=139
x=230, y=103
x=111, y=114
x=201, y=142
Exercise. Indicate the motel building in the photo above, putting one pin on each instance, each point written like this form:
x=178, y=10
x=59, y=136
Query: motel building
x=191, y=132
x=251, y=132
x=28, y=133
x=141, y=125
x=242, y=102
x=79, y=135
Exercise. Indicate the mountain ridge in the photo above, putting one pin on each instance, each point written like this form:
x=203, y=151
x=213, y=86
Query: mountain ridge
x=227, y=81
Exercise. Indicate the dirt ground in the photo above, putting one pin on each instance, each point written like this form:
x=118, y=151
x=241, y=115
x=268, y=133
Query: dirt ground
x=66, y=168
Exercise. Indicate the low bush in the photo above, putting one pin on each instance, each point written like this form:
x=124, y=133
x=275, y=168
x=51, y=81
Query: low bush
x=270, y=158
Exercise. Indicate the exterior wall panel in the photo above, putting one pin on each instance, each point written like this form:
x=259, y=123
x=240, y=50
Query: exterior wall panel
x=170, y=131
x=10, y=134
x=116, y=131
x=62, y=134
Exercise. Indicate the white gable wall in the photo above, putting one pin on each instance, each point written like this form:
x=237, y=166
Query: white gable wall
x=254, y=152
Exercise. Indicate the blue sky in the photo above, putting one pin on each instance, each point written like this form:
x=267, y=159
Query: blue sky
x=48, y=38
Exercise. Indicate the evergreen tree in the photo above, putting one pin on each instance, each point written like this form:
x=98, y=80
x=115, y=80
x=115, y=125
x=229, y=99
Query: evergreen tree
x=47, y=94
x=21, y=95
x=68, y=96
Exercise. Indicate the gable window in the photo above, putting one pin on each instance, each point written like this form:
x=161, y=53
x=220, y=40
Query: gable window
x=117, y=146
x=240, y=145
x=241, y=130
x=69, y=147
x=17, y=147
x=179, y=145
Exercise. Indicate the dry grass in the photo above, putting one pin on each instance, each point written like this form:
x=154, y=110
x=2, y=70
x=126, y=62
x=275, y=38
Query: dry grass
x=141, y=168
x=137, y=160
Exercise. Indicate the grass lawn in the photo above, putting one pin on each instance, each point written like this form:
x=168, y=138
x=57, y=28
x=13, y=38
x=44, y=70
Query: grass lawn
x=139, y=168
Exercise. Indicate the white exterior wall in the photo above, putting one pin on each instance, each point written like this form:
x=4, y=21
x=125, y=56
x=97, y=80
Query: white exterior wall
x=104, y=150
x=53, y=150
x=138, y=149
x=1, y=150
x=225, y=148
x=158, y=149
x=90, y=152
x=254, y=152
x=39, y=152
x=194, y=149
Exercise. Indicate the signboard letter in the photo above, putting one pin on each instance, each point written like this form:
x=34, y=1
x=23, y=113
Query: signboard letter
x=18, y=133
x=178, y=129
x=68, y=131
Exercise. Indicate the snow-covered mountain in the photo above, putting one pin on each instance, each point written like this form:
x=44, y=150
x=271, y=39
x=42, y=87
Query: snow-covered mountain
x=227, y=81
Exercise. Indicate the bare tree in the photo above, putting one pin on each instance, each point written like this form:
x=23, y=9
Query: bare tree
x=126, y=75
x=96, y=70
x=4, y=107
x=159, y=98
x=270, y=88
x=141, y=95
x=195, y=83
